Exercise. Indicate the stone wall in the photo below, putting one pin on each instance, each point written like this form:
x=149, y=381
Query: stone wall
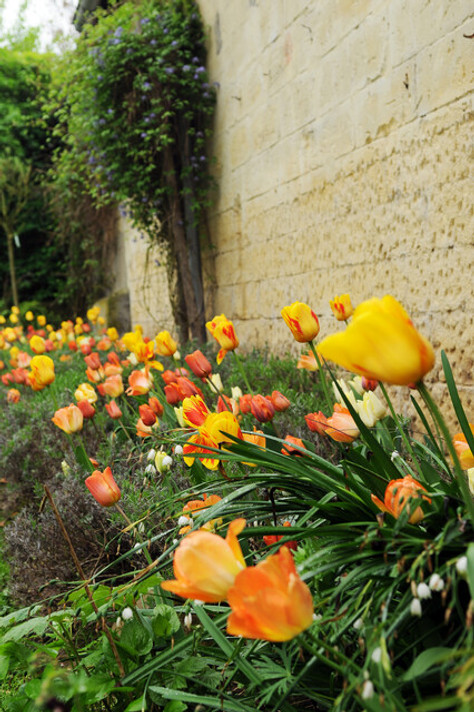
x=343, y=139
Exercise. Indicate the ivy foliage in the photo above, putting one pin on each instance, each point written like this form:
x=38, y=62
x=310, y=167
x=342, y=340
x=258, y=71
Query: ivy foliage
x=135, y=112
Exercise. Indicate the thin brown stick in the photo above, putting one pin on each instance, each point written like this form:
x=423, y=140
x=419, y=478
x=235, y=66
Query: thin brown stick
x=81, y=573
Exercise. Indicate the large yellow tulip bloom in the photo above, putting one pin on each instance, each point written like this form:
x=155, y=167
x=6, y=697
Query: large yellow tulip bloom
x=381, y=343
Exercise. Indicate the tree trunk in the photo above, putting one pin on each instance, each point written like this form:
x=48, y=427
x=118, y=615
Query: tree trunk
x=11, y=264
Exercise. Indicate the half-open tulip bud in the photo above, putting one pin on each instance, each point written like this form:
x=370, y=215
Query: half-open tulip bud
x=269, y=601
x=205, y=565
x=165, y=344
x=341, y=425
x=87, y=410
x=341, y=307
x=279, y=401
x=147, y=415
x=42, y=372
x=103, y=487
x=302, y=321
x=113, y=410
x=223, y=331
x=262, y=408
x=317, y=422
x=463, y=451
x=198, y=364
x=69, y=419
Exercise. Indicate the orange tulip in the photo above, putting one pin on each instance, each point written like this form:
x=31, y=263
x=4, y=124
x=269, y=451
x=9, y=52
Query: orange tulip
x=42, y=372
x=342, y=307
x=205, y=565
x=147, y=415
x=317, y=422
x=302, y=321
x=279, y=401
x=292, y=445
x=256, y=438
x=381, y=343
x=400, y=494
x=341, y=425
x=103, y=487
x=69, y=419
x=262, y=408
x=165, y=344
x=195, y=411
x=156, y=406
x=223, y=331
x=245, y=403
x=271, y=539
x=269, y=601
x=466, y=458
x=139, y=382
x=112, y=386
x=13, y=395
x=198, y=364
x=87, y=410
x=113, y=410
x=93, y=361
x=308, y=362
x=198, y=506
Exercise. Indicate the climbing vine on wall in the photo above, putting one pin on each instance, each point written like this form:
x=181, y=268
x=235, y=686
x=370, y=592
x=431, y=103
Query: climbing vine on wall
x=137, y=105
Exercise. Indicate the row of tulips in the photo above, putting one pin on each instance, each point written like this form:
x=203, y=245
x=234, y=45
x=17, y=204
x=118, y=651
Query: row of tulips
x=169, y=407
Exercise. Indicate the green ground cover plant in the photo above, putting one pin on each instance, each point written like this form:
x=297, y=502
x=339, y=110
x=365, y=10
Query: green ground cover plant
x=203, y=559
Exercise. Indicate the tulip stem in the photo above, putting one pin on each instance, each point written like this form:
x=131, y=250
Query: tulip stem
x=242, y=372
x=144, y=549
x=436, y=413
x=82, y=575
x=322, y=376
x=405, y=438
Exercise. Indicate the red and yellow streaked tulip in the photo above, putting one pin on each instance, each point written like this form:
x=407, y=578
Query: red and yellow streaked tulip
x=381, y=343
x=205, y=565
x=302, y=321
x=195, y=411
x=223, y=331
x=103, y=487
x=220, y=425
x=400, y=494
x=198, y=445
x=41, y=372
x=463, y=451
x=37, y=344
x=341, y=307
x=269, y=601
x=69, y=419
x=165, y=344
x=13, y=395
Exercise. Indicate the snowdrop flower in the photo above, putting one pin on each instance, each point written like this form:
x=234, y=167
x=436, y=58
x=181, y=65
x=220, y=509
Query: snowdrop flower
x=178, y=450
x=461, y=565
x=415, y=607
x=367, y=690
x=184, y=521
x=358, y=623
x=436, y=583
x=376, y=656
x=423, y=590
x=394, y=455
x=167, y=461
x=188, y=620
x=151, y=455
x=150, y=469
x=127, y=613
x=198, y=602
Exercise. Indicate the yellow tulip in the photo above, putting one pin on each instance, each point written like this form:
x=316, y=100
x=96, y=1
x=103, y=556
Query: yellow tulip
x=381, y=343
x=302, y=321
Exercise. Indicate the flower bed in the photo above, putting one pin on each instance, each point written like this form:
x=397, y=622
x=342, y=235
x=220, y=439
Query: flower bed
x=290, y=549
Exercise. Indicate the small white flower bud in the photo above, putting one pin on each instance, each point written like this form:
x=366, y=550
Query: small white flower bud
x=188, y=620
x=151, y=455
x=198, y=602
x=167, y=461
x=358, y=623
x=184, y=521
x=127, y=613
x=178, y=449
x=423, y=590
x=150, y=469
x=394, y=455
x=176, y=355
x=436, y=582
x=461, y=565
x=236, y=392
x=415, y=607
x=367, y=690
x=376, y=655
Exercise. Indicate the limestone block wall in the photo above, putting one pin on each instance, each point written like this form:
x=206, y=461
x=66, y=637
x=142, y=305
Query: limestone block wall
x=343, y=139
x=140, y=267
